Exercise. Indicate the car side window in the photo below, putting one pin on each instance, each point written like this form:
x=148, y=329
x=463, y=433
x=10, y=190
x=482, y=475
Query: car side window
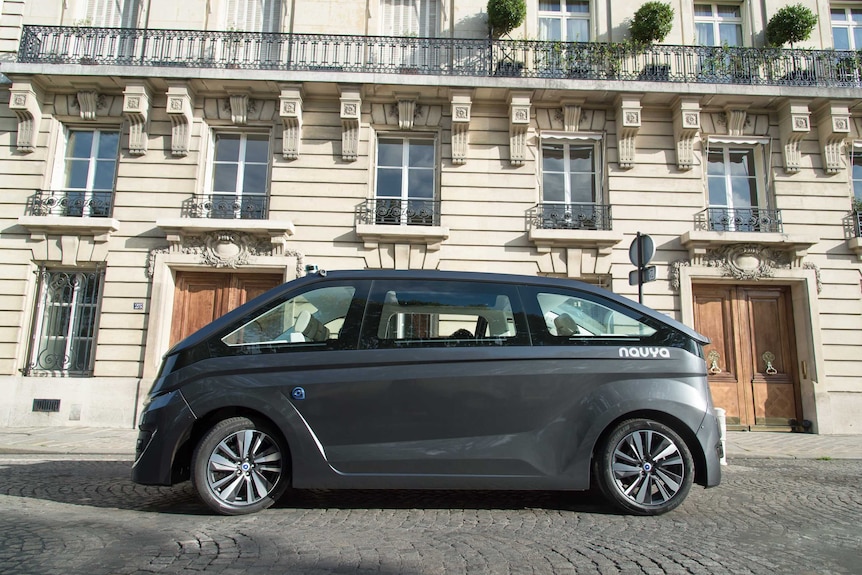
x=316, y=316
x=444, y=314
x=570, y=317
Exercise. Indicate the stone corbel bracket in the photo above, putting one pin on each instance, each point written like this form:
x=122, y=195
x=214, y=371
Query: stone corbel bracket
x=794, y=124
x=628, y=125
x=88, y=104
x=519, y=123
x=351, y=110
x=686, y=125
x=462, y=102
x=737, y=115
x=833, y=127
x=179, y=110
x=25, y=101
x=406, y=110
x=136, y=108
x=290, y=110
x=239, y=105
x=572, y=110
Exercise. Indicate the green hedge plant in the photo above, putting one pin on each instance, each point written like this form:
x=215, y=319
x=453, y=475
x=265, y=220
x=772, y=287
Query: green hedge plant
x=651, y=23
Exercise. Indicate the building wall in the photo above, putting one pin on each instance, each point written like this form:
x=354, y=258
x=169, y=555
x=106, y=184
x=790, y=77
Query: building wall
x=484, y=200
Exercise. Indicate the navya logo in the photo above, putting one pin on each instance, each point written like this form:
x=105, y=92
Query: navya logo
x=645, y=352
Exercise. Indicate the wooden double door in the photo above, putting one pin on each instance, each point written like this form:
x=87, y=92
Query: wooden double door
x=752, y=358
x=201, y=297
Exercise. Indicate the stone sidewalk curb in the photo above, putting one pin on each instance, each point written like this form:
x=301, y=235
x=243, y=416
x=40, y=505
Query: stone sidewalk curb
x=121, y=442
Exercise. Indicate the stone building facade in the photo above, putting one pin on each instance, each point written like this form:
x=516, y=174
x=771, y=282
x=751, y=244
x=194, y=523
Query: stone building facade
x=163, y=164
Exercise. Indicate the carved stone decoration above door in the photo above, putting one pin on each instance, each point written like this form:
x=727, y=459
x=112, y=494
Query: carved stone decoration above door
x=747, y=261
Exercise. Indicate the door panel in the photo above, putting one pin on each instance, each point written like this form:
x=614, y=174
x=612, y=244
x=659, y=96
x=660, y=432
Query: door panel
x=752, y=357
x=772, y=357
x=201, y=297
x=714, y=309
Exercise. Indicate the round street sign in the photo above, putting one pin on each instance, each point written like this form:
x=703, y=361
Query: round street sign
x=647, y=250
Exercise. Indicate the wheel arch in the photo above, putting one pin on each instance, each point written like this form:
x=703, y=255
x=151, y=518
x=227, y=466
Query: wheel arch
x=684, y=431
x=181, y=468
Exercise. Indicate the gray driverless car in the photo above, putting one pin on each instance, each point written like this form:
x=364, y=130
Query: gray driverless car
x=433, y=380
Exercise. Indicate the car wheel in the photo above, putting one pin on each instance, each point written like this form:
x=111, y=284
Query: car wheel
x=644, y=467
x=240, y=466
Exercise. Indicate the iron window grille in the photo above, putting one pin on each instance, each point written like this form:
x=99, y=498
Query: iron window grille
x=65, y=323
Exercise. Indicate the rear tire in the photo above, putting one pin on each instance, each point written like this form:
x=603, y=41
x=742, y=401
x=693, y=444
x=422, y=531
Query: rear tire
x=644, y=467
x=240, y=466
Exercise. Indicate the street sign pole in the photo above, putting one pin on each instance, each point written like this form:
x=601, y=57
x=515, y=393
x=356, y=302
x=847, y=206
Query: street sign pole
x=641, y=253
x=640, y=270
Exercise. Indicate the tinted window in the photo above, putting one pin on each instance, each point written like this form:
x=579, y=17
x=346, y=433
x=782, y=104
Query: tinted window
x=572, y=317
x=315, y=316
x=432, y=314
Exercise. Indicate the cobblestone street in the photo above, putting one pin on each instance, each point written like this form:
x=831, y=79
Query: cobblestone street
x=68, y=515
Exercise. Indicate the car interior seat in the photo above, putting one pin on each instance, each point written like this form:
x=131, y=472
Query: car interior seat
x=566, y=325
x=310, y=327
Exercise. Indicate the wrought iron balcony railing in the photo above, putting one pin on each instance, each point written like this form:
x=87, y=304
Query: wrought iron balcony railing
x=395, y=212
x=72, y=203
x=439, y=56
x=571, y=216
x=739, y=220
x=227, y=207
x=857, y=223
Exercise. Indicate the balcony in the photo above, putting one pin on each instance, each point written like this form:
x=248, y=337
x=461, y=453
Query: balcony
x=72, y=203
x=739, y=220
x=479, y=57
x=571, y=217
x=227, y=207
x=385, y=220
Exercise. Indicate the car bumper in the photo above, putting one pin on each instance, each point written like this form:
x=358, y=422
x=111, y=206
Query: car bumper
x=163, y=427
x=709, y=437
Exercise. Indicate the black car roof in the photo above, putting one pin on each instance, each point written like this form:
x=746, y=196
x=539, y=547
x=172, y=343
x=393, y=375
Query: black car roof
x=371, y=275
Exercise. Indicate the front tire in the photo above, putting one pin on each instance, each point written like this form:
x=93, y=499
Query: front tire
x=644, y=467
x=240, y=466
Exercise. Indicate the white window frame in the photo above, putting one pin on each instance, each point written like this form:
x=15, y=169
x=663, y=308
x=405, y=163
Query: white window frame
x=46, y=310
x=60, y=172
x=568, y=139
x=761, y=149
x=210, y=191
x=856, y=184
x=405, y=168
x=848, y=24
x=716, y=20
x=563, y=16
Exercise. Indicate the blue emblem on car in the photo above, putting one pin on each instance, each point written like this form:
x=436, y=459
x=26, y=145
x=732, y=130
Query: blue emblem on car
x=298, y=393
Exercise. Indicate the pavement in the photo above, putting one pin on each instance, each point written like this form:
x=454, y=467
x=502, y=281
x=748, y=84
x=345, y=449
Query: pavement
x=120, y=442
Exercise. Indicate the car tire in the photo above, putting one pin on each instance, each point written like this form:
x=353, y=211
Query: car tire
x=644, y=467
x=240, y=466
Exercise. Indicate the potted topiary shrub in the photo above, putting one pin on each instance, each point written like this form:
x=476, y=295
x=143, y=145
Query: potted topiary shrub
x=652, y=23
x=503, y=17
x=792, y=24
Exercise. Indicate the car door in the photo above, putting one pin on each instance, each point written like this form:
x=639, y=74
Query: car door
x=443, y=385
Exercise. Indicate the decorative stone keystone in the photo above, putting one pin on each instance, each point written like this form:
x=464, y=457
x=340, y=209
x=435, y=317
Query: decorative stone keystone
x=406, y=110
x=239, y=108
x=572, y=114
x=88, y=102
x=736, y=114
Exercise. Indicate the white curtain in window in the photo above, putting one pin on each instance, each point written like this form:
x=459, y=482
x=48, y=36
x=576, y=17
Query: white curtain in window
x=253, y=15
x=410, y=18
x=112, y=13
